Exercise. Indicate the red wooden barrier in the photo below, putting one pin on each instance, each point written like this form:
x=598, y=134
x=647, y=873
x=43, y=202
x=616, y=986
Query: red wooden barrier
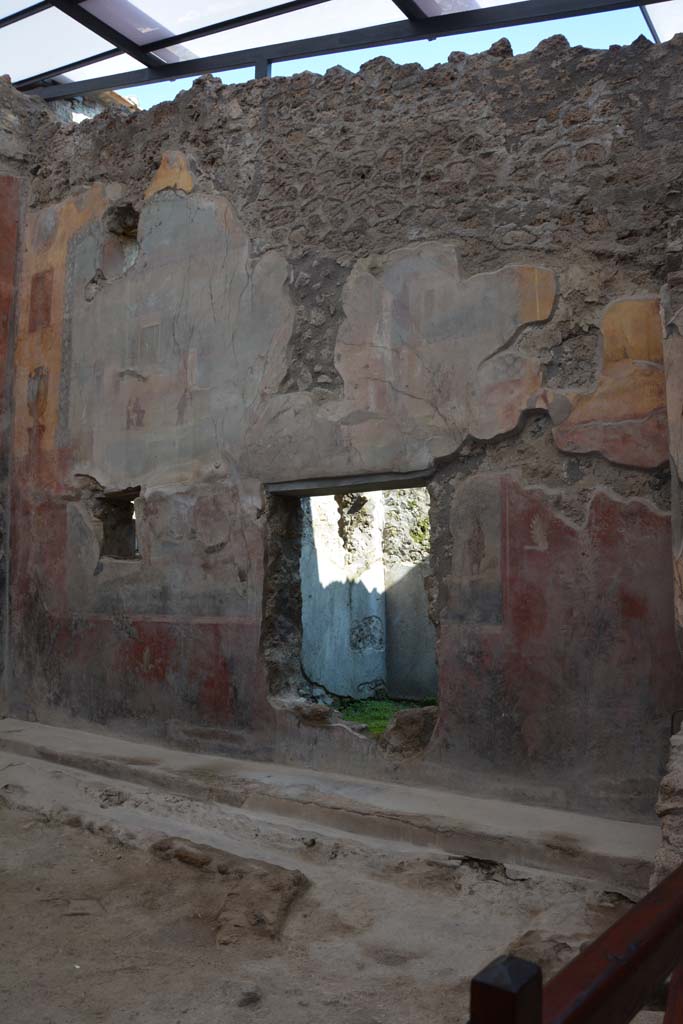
x=674, y=1004
x=606, y=984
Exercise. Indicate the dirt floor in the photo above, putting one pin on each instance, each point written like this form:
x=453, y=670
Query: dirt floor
x=97, y=926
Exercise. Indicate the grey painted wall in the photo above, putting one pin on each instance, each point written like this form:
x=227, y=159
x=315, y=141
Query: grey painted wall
x=411, y=637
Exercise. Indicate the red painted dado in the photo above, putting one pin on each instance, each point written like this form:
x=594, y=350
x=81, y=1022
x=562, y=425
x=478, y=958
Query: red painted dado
x=216, y=695
x=578, y=680
x=106, y=669
x=150, y=650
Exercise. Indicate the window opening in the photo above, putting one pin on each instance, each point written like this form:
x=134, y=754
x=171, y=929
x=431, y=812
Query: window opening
x=116, y=512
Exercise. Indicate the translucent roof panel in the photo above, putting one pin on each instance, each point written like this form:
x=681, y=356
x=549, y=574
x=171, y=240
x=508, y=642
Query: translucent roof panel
x=147, y=20
x=138, y=25
x=45, y=41
x=8, y=7
x=111, y=66
x=667, y=18
x=333, y=16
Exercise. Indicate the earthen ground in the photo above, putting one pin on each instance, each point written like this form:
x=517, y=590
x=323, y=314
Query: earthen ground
x=96, y=929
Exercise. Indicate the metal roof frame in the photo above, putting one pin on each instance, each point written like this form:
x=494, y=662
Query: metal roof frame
x=10, y=19
x=417, y=26
x=88, y=20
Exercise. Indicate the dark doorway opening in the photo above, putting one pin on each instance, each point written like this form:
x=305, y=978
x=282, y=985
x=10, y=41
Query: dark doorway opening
x=346, y=616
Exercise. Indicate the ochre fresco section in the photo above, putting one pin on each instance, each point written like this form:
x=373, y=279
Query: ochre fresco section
x=673, y=364
x=40, y=321
x=624, y=418
x=173, y=172
x=674, y=396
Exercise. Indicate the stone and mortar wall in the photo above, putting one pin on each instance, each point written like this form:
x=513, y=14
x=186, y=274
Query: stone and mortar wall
x=406, y=535
x=670, y=811
x=456, y=269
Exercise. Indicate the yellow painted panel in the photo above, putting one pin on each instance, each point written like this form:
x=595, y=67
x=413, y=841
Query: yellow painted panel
x=632, y=329
x=536, y=293
x=173, y=172
x=38, y=358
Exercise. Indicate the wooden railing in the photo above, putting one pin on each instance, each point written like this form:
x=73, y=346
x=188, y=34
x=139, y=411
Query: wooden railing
x=606, y=984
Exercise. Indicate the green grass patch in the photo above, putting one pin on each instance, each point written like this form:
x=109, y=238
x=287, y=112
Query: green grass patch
x=377, y=714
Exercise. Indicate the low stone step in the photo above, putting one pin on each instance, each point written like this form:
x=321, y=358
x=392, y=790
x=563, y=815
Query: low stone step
x=617, y=852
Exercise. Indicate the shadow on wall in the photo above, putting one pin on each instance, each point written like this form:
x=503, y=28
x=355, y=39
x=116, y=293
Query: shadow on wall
x=366, y=631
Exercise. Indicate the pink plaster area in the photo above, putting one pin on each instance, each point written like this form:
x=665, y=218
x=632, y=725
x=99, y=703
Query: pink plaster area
x=639, y=442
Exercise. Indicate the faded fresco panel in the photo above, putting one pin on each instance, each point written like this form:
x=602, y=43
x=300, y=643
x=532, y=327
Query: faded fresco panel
x=10, y=199
x=585, y=654
x=475, y=586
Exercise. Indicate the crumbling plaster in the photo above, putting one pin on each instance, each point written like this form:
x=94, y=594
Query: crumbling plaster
x=670, y=810
x=456, y=270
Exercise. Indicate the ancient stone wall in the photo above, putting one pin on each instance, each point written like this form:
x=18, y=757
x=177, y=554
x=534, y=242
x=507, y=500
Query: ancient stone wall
x=406, y=535
x=454, y=271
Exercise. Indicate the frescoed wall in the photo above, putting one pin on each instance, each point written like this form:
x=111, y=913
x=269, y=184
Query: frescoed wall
x=199, y=318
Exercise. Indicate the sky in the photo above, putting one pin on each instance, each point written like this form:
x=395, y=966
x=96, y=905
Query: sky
x=597, y=31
